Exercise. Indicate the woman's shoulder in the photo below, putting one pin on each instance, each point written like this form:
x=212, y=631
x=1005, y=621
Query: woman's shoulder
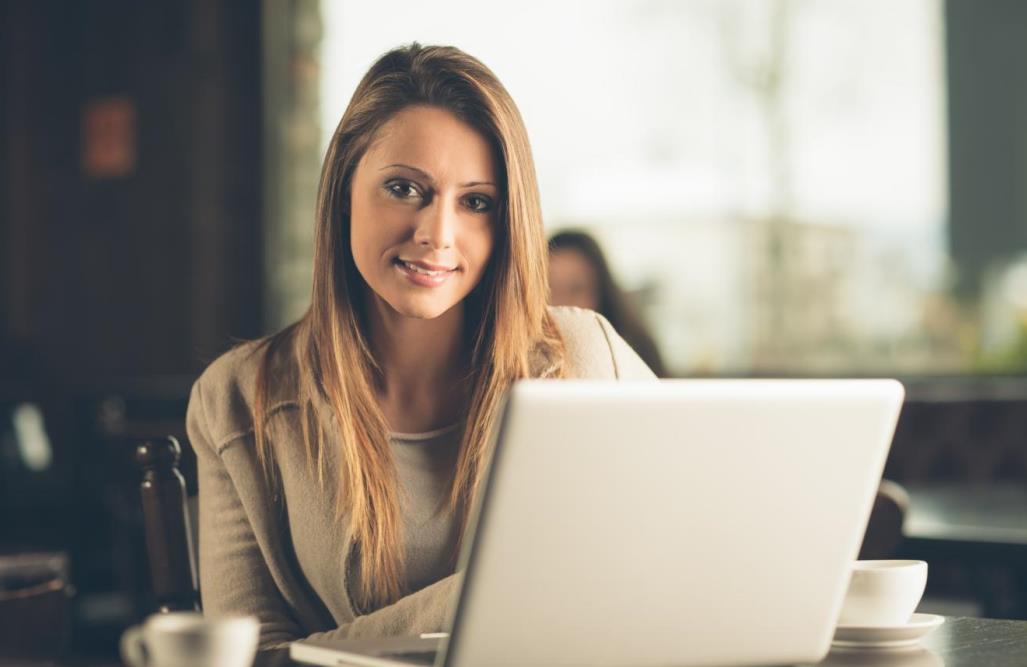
x=235, y=371
x=224, y=393
x=593, y=348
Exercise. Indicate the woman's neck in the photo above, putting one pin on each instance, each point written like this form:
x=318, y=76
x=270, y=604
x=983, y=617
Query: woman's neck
x=422, y=364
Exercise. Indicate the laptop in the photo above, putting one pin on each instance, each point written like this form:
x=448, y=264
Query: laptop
x=684, y=522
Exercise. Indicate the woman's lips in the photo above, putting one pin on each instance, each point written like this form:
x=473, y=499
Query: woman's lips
x=423, y=273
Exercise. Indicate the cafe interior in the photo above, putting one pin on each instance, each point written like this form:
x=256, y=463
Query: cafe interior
x=780, y=188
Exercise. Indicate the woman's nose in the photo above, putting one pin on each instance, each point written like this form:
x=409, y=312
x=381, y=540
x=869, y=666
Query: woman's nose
x=436, y=225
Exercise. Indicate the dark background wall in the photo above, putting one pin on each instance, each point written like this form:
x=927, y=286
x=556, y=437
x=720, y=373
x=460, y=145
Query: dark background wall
x=118, y=287
x=151, y=272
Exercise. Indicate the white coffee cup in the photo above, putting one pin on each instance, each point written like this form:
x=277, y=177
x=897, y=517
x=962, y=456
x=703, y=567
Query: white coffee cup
x=883, y=592
x=188, y=639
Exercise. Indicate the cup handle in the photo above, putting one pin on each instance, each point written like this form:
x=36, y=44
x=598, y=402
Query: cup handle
x=133, y=650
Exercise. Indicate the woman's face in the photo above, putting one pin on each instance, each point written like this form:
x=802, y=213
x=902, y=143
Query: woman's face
x=573, y=281
x=423, y=211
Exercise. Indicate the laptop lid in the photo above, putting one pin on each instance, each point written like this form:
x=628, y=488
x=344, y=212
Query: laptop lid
x=691, y=522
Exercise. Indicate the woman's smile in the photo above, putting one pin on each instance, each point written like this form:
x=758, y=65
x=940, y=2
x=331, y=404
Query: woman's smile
x=423, y=274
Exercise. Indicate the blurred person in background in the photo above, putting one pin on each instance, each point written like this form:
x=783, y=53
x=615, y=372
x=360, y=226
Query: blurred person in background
x=580, y=276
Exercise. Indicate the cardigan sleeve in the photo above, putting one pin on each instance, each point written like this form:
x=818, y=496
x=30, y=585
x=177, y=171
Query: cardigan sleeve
x=428, y=610
x=593, y=348
x=235, y=579
x=627, y=365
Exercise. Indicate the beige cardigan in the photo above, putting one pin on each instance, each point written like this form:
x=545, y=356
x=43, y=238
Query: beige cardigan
x=285, y=560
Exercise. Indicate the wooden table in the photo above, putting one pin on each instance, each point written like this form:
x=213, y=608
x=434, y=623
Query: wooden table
x=991, y=516
x=981, y=530
x=960, y=642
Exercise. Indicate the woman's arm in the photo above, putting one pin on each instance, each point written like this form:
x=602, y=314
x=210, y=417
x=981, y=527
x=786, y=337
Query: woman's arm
x=235, y=579
x=427, y=610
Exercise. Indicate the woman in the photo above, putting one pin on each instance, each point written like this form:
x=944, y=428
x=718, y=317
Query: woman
x=339, y=457
x=580, y=276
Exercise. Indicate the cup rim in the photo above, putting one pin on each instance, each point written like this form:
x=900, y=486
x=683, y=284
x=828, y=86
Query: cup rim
x=189, y=620
x=885, y=565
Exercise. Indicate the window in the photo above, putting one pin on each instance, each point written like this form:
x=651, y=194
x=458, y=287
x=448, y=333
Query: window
x=769, y=179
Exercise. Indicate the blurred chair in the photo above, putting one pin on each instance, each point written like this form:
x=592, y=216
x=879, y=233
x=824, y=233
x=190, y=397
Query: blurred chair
x=169, y=517
x=884, y=530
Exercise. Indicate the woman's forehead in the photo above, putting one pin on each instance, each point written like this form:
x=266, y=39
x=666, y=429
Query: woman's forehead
x=436, y=142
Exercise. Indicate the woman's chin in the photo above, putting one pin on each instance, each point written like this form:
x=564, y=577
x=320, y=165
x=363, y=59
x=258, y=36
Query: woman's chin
x=421, y=308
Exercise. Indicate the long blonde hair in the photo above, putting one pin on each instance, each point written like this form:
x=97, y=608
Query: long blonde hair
x=508, y=325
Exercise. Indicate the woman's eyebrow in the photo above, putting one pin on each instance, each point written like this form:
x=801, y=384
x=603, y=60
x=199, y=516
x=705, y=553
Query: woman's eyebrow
x=422, y=172
x=429, y=178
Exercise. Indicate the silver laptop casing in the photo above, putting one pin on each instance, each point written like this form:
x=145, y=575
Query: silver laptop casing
x=684, y=522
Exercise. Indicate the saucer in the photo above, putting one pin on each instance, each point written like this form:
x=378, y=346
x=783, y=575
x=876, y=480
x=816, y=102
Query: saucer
x=887, y=636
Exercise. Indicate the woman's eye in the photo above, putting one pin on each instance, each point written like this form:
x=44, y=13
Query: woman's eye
x=402, y=190
x=478, y=203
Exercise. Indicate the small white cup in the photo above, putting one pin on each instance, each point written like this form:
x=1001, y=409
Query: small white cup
x=188, y=639
x=883, y=592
